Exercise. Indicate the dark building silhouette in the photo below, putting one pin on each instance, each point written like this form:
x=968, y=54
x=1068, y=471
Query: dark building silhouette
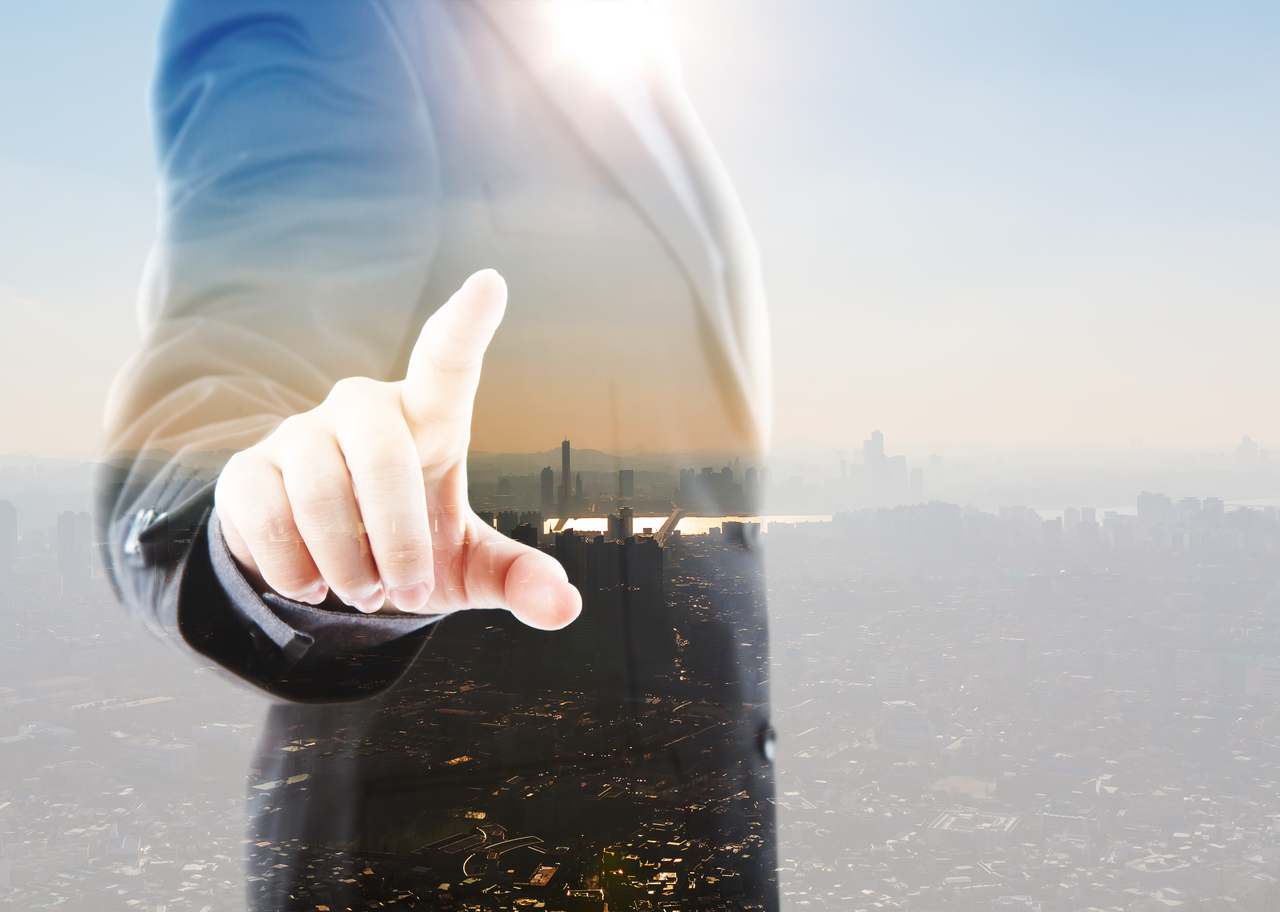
x=623, y=596
x=626, y=483
x=564, y=476
x=507, y=520
x=710, y=492
x=548, y=488
x=621, y=525
x=526, y=534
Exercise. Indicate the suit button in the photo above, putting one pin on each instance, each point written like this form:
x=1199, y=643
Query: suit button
x=764, y=743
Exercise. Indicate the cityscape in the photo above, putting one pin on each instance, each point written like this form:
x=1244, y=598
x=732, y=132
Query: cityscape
x=965, y=708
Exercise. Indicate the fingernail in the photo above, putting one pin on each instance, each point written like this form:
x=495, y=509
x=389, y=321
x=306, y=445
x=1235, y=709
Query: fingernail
x=372, y=602
x=411, y=598
x=316, y=594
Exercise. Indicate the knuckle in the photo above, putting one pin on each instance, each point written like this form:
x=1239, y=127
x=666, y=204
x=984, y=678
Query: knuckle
x=241, y=465
x=323, y=503
x=285, y=571
x=451, y=361
x=351, y=583
x=386, y=467
x=294, y=434
x=351, y=390
x=229, y=480
x=403, y=557
x=267, y=531
x=240, y=490
x=290, y=426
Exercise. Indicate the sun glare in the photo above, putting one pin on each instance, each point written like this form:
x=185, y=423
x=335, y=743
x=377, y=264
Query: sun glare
x=608, y=37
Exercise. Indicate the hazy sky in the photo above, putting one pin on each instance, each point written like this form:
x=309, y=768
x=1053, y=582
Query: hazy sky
x=76, y=211
x=1003, y=222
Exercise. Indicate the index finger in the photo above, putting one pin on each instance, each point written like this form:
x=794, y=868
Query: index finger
x=502, y=573
x=444, y=369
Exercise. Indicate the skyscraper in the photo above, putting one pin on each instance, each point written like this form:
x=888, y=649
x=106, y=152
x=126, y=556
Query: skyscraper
x=626, y=483
x=1247, y=455
x=506, y=521
x=548, y=488
x=565, y=490
x=1154, y=509
x=1070, y=519
x=526, y=534
x=873, y=453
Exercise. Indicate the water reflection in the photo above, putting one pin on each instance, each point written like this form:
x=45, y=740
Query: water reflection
x=687, y=525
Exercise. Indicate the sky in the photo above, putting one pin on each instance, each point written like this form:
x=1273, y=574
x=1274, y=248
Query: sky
x=77, y=212
x=1013, y=223
x=1007, y=222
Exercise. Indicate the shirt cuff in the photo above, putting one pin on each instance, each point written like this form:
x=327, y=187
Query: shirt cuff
x=300, y=629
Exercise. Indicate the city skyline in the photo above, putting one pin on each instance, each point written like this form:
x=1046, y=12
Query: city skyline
x=810, y=478
x=963, y=718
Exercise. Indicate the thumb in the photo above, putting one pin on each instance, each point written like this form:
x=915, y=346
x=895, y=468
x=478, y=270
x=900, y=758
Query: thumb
x=444, y=369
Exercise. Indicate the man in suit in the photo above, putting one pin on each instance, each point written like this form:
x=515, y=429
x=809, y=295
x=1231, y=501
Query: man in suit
x=287, y=494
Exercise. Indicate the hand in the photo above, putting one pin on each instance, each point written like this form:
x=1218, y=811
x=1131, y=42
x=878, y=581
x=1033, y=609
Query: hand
x=366, y=494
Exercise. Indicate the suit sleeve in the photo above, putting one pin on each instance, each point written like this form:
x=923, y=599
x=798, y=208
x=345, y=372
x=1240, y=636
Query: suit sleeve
x=299, y=189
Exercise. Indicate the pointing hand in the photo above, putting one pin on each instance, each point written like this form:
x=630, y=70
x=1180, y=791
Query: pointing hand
x=366, y=494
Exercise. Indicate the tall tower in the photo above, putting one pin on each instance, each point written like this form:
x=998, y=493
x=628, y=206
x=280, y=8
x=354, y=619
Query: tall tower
x=565, y=491
x=873, y=453
x=874, y=448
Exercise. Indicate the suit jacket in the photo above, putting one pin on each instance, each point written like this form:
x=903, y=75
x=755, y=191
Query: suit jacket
x=331, y=171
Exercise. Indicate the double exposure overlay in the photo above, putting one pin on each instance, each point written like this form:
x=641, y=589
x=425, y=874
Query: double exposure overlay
x=329, y=182
x=410, y=498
